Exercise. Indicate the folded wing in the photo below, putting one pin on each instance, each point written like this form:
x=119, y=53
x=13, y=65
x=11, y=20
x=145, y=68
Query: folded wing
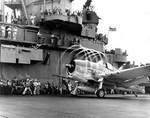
x=132, y=76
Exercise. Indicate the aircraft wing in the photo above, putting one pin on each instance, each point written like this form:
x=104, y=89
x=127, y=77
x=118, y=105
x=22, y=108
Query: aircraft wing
x=131, y=76
x=61, y=76
x=69, y=77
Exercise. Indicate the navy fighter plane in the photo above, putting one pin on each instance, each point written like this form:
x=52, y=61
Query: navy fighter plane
x=98, y=76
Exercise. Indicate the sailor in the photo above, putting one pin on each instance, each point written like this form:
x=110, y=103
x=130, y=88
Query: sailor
x=47, y=88
x=27, y=87
x=6, y=17
x=39, y=36
x=32, y=18
x=9, y=30
x=2, y=30
x=13, y=86
x=69, y=86
x=35, y=83
x=38, y=87
x=14, y=32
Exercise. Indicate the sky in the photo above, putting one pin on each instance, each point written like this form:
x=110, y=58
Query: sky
x=132, y=21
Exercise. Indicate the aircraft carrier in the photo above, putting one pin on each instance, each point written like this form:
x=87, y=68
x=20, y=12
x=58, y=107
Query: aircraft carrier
x=38, y=33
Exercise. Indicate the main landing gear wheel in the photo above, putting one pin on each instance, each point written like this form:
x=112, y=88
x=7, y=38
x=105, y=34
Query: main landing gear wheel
x=100, y=93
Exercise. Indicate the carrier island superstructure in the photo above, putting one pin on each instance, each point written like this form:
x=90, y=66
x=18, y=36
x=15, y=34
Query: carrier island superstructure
x=35, y=48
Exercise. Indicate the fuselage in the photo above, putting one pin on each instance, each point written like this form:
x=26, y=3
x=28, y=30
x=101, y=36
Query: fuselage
x=90, y=74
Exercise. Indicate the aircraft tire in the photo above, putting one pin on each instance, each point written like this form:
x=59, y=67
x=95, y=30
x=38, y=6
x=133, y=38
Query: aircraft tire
x=100, y=93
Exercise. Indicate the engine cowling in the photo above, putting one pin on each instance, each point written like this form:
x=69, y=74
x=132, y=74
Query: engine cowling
x=71, y=66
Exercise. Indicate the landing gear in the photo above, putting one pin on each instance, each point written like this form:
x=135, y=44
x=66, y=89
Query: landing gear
x=135, y=94
x=100, y=93
x=74, y=92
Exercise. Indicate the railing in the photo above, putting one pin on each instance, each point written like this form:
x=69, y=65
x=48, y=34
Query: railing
x=8, y=31
x=120, y=58
x=102, y=38
x=18, y=33
x=13, y=2
x=57, y=13
x=21, y=33
x=73, y=19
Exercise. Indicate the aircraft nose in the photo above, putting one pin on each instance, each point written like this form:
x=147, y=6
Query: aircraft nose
x=70, y=67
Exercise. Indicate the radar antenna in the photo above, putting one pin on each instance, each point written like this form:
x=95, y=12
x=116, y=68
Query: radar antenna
x=87, y=4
